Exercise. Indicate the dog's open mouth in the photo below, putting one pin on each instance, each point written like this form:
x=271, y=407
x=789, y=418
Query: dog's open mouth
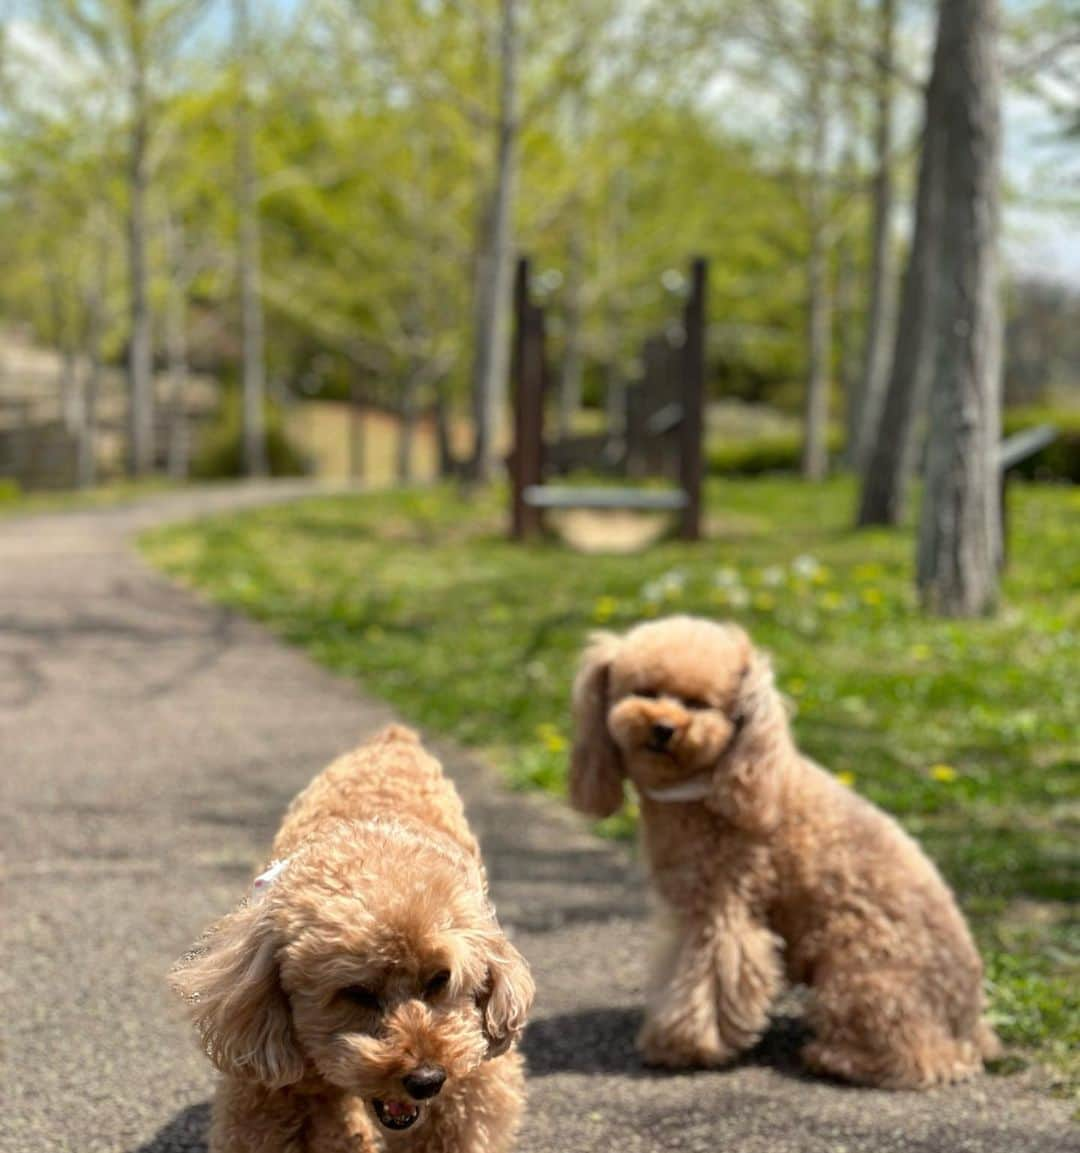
x=396, y=1115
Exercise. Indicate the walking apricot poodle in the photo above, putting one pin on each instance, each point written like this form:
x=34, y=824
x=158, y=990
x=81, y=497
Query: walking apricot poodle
x=365, y=997
x=768, y=870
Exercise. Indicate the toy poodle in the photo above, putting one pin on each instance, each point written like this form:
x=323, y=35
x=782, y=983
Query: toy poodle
x=364, y=998
x=766, y=869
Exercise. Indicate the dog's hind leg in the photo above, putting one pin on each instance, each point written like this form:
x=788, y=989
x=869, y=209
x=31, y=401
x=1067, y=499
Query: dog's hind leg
x=711, y=991
x=871, y=1029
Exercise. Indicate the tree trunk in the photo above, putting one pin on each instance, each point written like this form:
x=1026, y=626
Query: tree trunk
x=614, y=378
x=443, y=439
x=869, y=397
x=357, y=444
x=846, y=310
x=140, y=352
x=71, y=408
x=815, y=459
x=94, y=305
x=890, y=455
x=571, y=374
x=492, y=349
x=959, y=549
x=407, y=425
x=253, y=369
x=177, y=351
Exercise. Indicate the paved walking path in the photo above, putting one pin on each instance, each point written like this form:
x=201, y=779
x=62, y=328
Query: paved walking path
x=148, y=744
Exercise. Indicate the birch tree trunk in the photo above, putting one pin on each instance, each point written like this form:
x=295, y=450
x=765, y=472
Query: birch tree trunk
x=815, y=459
x=71, y=409
x=870, y=395
x=891, y=452
x=251, y=309
x=959, y=547
x=492, y=345
x=611, y=255
x=140, y=352
x=177, y=350
x=570, y=376
x=407, y=424
x=95, y=299
x=447, y=465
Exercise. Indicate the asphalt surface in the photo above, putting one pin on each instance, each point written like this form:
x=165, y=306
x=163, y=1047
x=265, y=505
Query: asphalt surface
x=148, y=744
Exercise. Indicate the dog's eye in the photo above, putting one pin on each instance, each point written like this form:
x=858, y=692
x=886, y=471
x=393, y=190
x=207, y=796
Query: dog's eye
x=696, y=704
x=648, y=694
x=437, y=984
x=363, y=997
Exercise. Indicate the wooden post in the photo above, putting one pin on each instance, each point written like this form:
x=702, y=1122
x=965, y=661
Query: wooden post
x=528, y=372
x=693, y=398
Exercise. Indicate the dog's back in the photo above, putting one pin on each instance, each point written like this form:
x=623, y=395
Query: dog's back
x=392, y=776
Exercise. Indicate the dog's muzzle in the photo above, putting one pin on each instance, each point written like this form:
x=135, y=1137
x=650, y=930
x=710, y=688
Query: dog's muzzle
x=659, y=741
x=424, y=1082
x=396, y=1116
x=421, y=1085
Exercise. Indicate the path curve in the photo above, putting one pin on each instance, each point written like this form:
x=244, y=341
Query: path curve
x=148, y=744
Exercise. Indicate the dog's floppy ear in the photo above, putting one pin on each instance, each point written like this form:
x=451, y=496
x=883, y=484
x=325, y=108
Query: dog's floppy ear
x=234, y=995
x=507, y=995
x=596, y=773
x=747, y=782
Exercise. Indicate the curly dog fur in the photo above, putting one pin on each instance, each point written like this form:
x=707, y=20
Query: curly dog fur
x=768, y=869
x=365, y=999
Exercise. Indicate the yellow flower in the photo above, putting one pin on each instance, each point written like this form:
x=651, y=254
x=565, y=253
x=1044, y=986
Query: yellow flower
x=764, y=601
x=867, y=572
x=604, y=609
x=831, y=601
x=920, y=652
x=846, y=778
x=944, y=773
x=821, y=576
x=871, y=596
x=551, y=738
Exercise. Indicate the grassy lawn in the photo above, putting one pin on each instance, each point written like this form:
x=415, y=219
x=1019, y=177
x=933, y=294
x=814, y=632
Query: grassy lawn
x=119, y=492
x=969, y=732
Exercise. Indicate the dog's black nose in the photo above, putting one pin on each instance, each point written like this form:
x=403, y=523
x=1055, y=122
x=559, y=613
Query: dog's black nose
x=661, y=734
x=424, y=1082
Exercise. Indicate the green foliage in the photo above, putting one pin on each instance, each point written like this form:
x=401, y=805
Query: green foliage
x=220, y=450
x=1058, y=461
x=968, y=731
x=773, y=454
x=375, y=129
x=13, y=502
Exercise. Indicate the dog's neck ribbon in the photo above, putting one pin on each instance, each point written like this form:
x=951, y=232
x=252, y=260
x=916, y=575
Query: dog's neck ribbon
x=266, y=878
x=692, y=789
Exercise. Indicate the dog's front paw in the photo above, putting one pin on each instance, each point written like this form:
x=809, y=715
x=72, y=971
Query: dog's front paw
x=664, y=1046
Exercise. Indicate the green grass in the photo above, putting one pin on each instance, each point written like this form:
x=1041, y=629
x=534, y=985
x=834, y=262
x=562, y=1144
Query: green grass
x=15, y=502
x=968, y=731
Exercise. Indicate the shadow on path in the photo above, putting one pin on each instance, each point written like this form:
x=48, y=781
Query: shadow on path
x=186, y=1133
x=602, y=1041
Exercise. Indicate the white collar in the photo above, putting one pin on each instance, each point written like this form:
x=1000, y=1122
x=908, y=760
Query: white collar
x=265, y=880
x=692, y=789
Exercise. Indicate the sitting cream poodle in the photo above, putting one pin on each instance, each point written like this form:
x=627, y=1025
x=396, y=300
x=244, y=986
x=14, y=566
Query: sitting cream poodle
x=765, y=866
x=365, y=997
